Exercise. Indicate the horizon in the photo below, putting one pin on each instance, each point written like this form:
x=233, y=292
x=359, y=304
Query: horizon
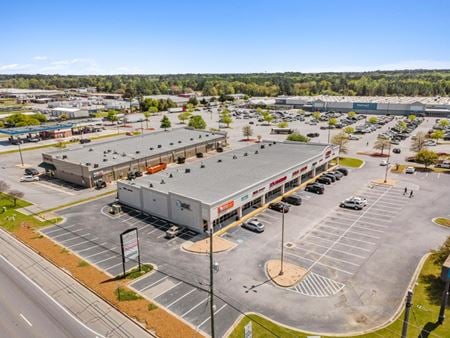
x=112, y=38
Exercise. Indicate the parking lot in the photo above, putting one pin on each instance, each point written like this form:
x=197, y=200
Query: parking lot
x=187, y=301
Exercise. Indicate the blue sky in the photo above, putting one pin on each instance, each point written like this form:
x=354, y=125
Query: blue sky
x=158, y=37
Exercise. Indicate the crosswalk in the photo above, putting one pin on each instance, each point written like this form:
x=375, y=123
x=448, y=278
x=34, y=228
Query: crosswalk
x=315, y=285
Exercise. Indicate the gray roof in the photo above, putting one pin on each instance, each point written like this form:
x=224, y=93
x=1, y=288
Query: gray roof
x=130, y=148
x=236, y=172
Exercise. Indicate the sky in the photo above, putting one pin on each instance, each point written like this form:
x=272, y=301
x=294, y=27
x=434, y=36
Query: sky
x=232, y=36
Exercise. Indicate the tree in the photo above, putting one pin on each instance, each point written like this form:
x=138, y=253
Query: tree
x=283, y=124
x=247, y=131
x=112, y=116
x=351, y=114
x=15, y=195
x=426, y=157
x=268, y=117
x=412, y=117
x=165, y=122
x=418, y=142
x=193, y=100
x=297, y=137
x=381, y=144
x=63, y=117
x=341, y=140
x=227, y=120
x=349, y=130
x=401, y=125
x=189, y=107
x=197, y=122
x=4, y=187
x=444, y=123
x=332, y=121
x=437, y=135
x=184, y=116
x=373, y=120
x=316, y=115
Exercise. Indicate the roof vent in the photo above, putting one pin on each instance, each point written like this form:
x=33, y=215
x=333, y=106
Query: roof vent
x=105, y=160
x=104, y=151
x=245, y=154
x=137, y=151
x=207, y=135
x=171, y=143
x=202, y=165
x=95, y=165
x=234, y=157
x=150, y=185
x=179, y=141
x=109, y=150
x=163, y=182
x=192, y=139
x=270, y=144
x=124, y=154
x=88, y=163
x=159, y=146
x=274, y=142
x=199, y=136
x=151, y=148
x=115, y=152
x=90, y=149
x=262, y=146
x=170, y=176
x=64, y=157
x=114, y=157
x=187, y=170
x=256, y=152
x=219, y=160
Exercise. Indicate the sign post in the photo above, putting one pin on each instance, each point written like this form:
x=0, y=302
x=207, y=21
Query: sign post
x=248, y=330
x=129, y=242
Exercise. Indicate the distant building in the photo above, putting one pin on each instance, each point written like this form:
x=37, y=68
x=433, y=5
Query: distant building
x=71, y=113
x=178, y=100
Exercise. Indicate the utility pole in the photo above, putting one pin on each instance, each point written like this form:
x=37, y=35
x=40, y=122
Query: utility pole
x=329, y=131
x=444, y=302
x=407, y=309
x=211, y=280
x=387, y=165
x=20, y=151
x=282, y=244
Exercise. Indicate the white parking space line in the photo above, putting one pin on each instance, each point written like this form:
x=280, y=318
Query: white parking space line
x=271, y=217
x=106, y=259
x=180, y=298
x=148, y=233
x=315, y=262
x=154, y=283
x=167, y=290
x=58, y=229
x=193, y=308
x=344, y=236
x=88, y=241
x=144, y=227
x=68, y=233
x=113, y=266
x=348, y=245
x=374, y=224
x=91, y=247
x=352, y=231
x=329, y=256
x=75, y=237
x=356, y=226
x=337, y=250
x=25, y=319
x=215, y=313
x=99, y=253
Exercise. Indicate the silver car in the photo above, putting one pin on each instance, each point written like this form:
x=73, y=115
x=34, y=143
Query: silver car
x=254, y=225
x=351, y=204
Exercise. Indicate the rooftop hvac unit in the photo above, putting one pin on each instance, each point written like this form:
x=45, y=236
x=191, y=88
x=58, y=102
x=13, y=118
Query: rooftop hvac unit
x=187, y=170
x=88, y=163
x=137, y=151
x=95, y=165
x=245, y=154
x=262, y=146
x=170, y=176
x=64, y=157
x=150, y=185
x=202, y=165
x=219, y=160
x=171, y=143
x=115, y=152
x=124, y=154
x=163, y=182
x=159, y=146
x=104, y=151
x=105, y=160
x=90, y=149
x=234, y=157
x=256, y=152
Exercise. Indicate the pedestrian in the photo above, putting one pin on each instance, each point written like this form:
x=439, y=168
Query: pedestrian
x=405, y=192
x=411, y=194
x=367, y=144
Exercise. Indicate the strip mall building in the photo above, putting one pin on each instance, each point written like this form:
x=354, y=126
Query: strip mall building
x=225, y=187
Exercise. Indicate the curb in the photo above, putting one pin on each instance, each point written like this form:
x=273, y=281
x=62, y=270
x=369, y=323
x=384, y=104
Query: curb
x=442, y=226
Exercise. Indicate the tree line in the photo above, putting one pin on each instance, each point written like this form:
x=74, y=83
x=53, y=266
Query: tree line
x=378, y=83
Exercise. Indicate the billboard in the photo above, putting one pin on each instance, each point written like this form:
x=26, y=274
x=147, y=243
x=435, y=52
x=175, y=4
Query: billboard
x=366, y=106
x=130, y=244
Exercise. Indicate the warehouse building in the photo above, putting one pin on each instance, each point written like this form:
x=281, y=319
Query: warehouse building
x=223, y=188
x=421, y=106
x=112, y=160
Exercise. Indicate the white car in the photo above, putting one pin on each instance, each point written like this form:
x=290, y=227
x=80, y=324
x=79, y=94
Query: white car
x=410, y=170
x=359, y=199
x=254, y=224
x=353, y=137
x=351, y=204
x=384, y=163
x=429, y=143
x=29, y=178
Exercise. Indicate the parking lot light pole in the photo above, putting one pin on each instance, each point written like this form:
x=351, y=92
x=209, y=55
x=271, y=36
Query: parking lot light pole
x=387, y=165
x=282, y=243
x=408, y=306
x=211, y=280
x=20, y=152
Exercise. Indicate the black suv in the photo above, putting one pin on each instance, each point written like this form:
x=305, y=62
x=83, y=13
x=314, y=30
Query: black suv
x=315, y=188
x=324, y=180
x=292, y=199
x=312, y=135
x=330, y=176
x=344, y=171
x=31, y=171
x=279, y=206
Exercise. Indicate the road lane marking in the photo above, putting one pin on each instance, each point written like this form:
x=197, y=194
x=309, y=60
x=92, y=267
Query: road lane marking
x=50, y=297
x=25, y=319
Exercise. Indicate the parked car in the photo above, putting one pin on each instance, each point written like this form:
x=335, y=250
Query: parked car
x=359, y=199
x=85, y=140
x=330, y=176
x=351, y=204
x=445, y=165
x=384, y=163
x=396, y=150
x=410, y=170
x=173, y=231
x=100, y=183
x=33, y=139
x=324, y=180
x=313, y=135
x=279, y=206
x=338, y=174
x=315, y=188
x=292, y=199
x=353, y=137
x=29, y=178
x=31, y=171
x=344, y=171
x=254, y=225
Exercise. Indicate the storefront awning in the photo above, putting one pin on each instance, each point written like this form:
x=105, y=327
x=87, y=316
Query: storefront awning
x=47, y=166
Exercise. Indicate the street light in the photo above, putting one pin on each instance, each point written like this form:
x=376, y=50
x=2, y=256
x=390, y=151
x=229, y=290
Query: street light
x=387, y=165
x=282, y=243
x=20, y=152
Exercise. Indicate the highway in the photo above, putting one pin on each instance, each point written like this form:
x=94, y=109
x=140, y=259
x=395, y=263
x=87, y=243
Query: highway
x=37, y=299
x=28, y=311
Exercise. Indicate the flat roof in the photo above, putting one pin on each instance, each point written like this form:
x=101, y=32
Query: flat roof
x=131, y=148
x=34, y=129
x=219, y=180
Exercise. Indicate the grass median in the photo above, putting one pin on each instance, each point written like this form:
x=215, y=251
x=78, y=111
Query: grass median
x=423, y=317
